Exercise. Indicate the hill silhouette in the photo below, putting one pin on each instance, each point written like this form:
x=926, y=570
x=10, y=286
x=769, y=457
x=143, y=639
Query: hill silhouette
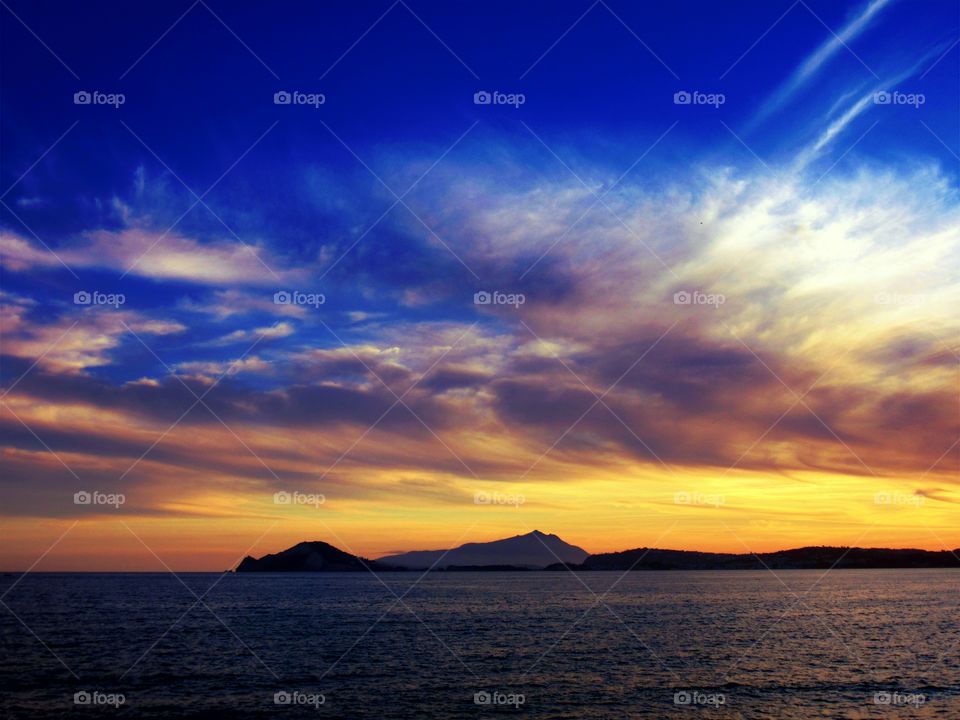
x=539, y=551
x=823, y=557
x=312, y=556
x=533, y=550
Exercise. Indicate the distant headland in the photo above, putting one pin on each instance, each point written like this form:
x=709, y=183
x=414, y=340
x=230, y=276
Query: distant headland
x=542, y=551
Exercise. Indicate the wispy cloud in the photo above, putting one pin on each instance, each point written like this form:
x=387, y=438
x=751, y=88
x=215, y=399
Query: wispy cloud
x=852, y=271
x=153, y=254
x=862, y=104
x=818, y=59
x=74, y=342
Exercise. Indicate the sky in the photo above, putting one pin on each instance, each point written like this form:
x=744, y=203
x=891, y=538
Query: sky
x=405, y=275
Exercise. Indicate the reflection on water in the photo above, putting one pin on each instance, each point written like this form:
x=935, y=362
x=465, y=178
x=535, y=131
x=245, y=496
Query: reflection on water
x=882, y=643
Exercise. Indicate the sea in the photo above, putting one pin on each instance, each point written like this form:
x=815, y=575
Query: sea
x=711, y=644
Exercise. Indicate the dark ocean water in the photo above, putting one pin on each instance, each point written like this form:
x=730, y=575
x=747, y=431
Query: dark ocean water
x=850, y=644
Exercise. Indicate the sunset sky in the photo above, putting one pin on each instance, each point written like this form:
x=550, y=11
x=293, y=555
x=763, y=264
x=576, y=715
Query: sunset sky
x=805, y=200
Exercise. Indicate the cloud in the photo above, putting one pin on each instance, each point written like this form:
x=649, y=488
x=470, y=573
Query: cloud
x=77, y=340
x=19, y=254
x=224, y=304
x=814, y=62
x=858, y=107
x=831, y=353
x=153, y=254
x=208, y=371
x=271, y=332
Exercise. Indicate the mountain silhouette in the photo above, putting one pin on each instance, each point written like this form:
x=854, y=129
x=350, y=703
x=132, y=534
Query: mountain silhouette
x=810, y=558
x=537, y=550
x=313, y=556
x=533, y=550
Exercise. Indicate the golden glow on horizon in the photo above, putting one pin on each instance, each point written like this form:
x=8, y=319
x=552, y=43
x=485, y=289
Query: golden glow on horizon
x=743, y=512
x=827, y=380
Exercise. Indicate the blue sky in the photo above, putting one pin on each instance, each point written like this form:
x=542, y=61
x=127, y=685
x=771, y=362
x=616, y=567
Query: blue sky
x=799, y=194
x=199, y=99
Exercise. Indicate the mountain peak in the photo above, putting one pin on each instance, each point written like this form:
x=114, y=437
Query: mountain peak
x=311, y=555
x=535, y=549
